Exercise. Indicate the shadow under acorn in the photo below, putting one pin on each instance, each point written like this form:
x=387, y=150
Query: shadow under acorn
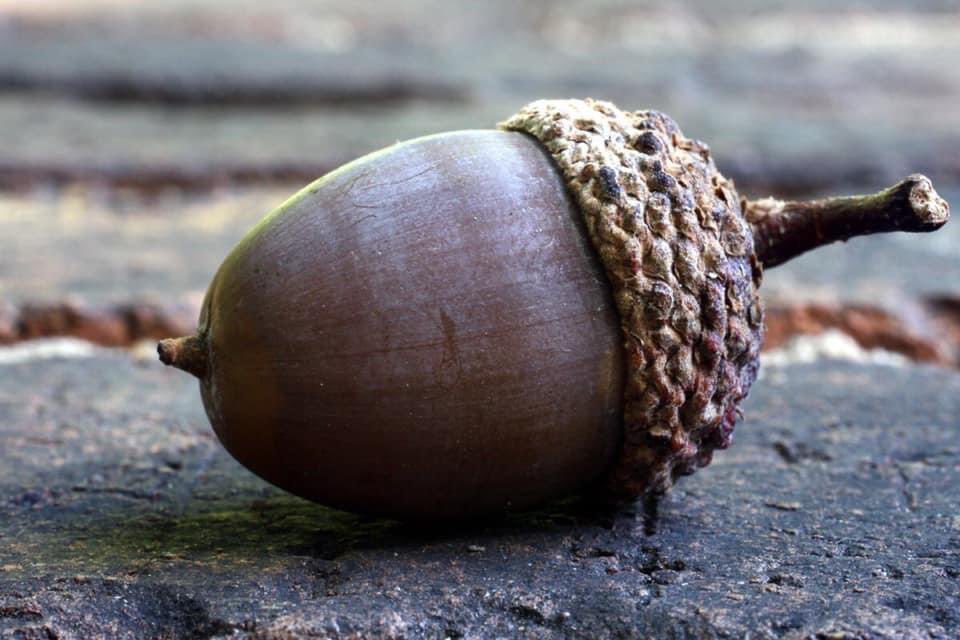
x=118, y=535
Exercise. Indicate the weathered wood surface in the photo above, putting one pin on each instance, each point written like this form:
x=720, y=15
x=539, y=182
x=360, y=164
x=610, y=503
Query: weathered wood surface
x=802, y=97
x=822, y=97
x=107, y=246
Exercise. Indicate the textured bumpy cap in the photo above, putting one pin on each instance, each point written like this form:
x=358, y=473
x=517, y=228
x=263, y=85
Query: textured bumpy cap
x=672, y=237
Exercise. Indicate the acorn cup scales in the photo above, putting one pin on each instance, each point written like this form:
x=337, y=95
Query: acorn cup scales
x=479, y=321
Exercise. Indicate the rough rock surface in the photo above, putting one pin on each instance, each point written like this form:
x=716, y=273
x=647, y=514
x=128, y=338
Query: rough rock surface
x=834, y=515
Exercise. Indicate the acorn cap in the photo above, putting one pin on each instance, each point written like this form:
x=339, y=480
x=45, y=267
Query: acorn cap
x=670, y=232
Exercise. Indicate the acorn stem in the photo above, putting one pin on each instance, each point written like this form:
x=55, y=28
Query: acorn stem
x=188, y=353
x=784, y=230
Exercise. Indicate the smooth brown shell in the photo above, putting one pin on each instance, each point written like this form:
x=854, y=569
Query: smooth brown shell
x=423, y=333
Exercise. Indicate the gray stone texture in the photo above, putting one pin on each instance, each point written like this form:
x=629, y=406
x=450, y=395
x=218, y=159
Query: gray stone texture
x=835, y=513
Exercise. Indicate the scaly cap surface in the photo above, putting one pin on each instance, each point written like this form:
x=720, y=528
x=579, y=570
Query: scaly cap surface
x=672, y=236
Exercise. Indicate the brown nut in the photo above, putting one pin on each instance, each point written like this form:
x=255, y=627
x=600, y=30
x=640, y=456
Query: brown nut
x=483, y=320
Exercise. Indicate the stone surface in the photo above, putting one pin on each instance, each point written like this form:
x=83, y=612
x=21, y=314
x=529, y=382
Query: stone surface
x=835, y=512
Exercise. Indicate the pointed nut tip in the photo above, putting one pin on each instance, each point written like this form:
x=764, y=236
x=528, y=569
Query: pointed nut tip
x=164, y=350
x=188, y=354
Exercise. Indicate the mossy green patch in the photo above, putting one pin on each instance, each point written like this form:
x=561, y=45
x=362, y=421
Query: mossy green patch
x=221, y=535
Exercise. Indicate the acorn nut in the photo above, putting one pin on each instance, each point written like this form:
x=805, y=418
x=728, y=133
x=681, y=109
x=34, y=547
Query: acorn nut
x=479, y=321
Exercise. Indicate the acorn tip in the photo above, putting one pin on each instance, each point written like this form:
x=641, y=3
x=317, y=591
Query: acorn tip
x=188, y=354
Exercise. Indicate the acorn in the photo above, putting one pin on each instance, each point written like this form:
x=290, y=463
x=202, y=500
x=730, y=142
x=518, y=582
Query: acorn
x=479, y=321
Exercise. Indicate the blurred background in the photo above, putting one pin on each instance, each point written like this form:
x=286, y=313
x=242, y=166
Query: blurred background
x=140, y=140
